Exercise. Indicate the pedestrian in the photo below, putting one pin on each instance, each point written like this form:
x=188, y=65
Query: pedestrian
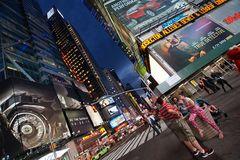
x=154, y=124
x=180, y=128
x=181, y=107
x=209, y=82
x=215, y=112
x=234, y=55
x=220, y=80
x=196, y=111
x=202, y=85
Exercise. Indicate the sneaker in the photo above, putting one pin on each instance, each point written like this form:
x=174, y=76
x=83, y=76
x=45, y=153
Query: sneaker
x=207, y=153
x=196, y=153
x=210, y=151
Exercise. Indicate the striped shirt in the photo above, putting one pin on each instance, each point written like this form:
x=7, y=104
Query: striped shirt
x=163, y=112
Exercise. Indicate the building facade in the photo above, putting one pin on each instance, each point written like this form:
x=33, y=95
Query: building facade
x=28, y=50
x=162, y=33
x=74, y=54
x=116, y=105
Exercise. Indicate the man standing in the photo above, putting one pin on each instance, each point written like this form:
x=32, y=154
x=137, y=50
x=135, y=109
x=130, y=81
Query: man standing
x=180, y=128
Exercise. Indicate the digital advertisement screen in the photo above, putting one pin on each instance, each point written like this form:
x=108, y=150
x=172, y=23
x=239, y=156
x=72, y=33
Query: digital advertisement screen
x=180, y=49
x=136, y=15
x=107, y=101
x=79, y=121
x=117, y=121
x=33, y=112
x=113, y=110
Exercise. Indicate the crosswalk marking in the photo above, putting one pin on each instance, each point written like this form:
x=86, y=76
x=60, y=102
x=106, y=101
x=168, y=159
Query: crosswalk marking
x=138, y=140
x=122, y=151
x=150, y=135
x=144, y=137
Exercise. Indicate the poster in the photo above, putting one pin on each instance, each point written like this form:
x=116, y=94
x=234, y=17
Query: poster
x=136, y=14
x=228, y=16
x=186, y=45
x=33, y=113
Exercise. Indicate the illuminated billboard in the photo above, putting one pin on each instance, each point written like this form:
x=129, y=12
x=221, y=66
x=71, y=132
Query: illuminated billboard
x=34, y=114
x=117, y=121
x=94, y=115
x=228, y=16
x=113, y=110
x=137, y=15
x=106, y=101
x=181, y=54
x=180, y=49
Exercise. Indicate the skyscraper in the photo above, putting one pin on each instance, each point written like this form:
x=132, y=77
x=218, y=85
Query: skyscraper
x=114, y=87
x=27, y=48
x=75, y=55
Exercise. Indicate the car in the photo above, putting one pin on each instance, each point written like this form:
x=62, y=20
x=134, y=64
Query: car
x=101, y=152
x=146, y=8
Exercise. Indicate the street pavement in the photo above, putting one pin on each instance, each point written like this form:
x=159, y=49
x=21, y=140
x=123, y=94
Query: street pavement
x=166, y=146
x=134, y=142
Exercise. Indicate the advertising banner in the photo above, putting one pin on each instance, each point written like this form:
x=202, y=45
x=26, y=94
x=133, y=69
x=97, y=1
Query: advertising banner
x=136, y=15
x=79, y=121
x=117, y=121
x=33, y=113
x=228, y=16
x=94, y=115
x=188, y=44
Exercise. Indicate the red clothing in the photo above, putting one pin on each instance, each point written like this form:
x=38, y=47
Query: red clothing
x=234, y=54
x=163, y=112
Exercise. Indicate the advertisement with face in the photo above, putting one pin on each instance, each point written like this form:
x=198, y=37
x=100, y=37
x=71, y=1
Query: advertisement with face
x=136, y=15
x=33, y=113
x=228, y=16
x=182, y=48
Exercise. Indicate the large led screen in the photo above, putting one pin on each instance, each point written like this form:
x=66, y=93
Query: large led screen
x=117, y=121
x=136, y=15
x=33, y=113
x=186, y=45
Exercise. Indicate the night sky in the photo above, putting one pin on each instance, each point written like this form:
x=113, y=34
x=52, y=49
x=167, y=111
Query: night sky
x=102, y=48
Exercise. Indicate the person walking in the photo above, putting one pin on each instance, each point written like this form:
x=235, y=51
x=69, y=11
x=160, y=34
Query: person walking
x=210, y=84
x=154, y=124
x=180, y=128
x=218, y=77
x=196, y=111
x=203, y=86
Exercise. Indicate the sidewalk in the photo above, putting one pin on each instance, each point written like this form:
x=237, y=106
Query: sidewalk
x=167, y=147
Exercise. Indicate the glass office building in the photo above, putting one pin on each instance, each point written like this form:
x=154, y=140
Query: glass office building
x=27, y=48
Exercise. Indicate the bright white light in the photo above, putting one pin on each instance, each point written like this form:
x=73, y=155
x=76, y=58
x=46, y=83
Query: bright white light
x=158, y=73
x=50, y=13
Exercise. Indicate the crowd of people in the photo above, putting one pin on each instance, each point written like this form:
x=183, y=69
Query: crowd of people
x=180, y=116
x=208, y=83
x=182, y=113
